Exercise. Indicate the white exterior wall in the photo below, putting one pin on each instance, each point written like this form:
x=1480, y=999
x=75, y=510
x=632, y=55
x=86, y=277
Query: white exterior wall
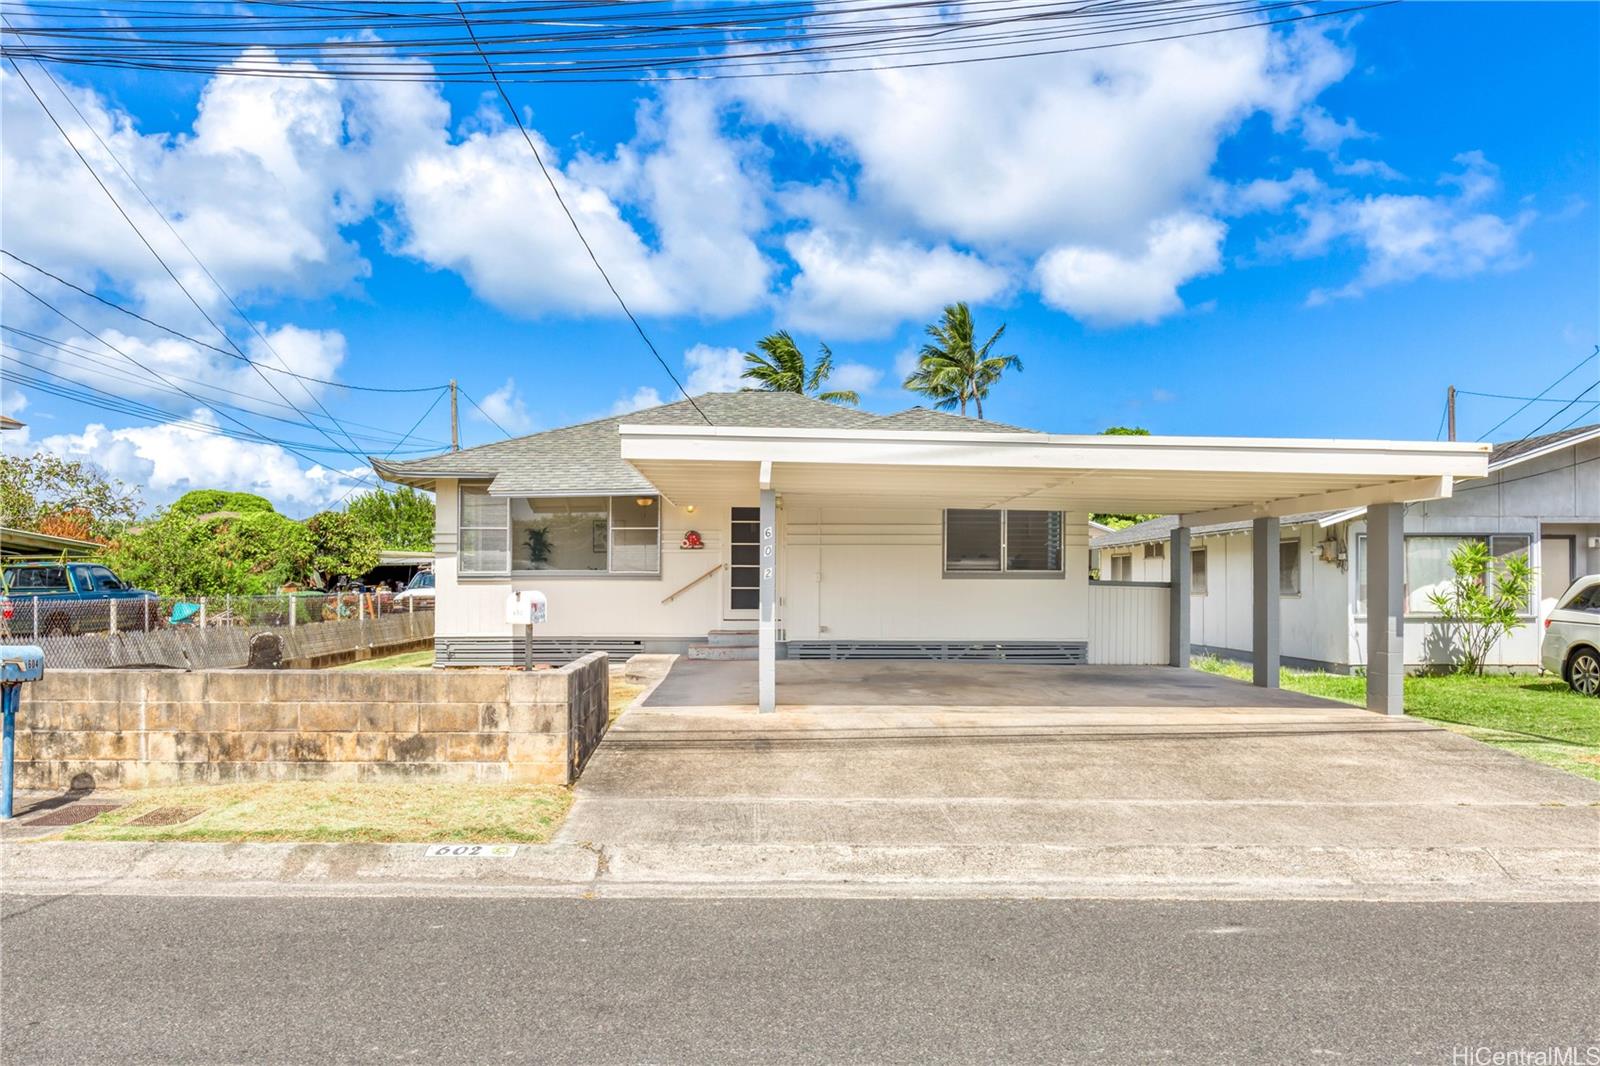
x=1558, y=494
x=592, y=605
x=878, y=574
x=1128, y=625
x=844, y=574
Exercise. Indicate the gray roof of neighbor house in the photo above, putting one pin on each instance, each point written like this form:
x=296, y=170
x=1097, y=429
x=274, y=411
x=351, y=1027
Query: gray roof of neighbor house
x=587, y=458
x=1502, y=456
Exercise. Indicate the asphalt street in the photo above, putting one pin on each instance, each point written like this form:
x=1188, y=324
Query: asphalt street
x=127, y=979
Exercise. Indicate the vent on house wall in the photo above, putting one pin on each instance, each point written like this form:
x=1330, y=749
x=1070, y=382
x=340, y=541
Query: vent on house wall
x=1047, y=653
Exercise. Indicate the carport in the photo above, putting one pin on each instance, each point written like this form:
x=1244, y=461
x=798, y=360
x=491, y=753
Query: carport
x=831, y=475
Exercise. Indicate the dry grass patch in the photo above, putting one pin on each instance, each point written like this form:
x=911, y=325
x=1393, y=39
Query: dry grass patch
x=325, y=812
x=623, y=693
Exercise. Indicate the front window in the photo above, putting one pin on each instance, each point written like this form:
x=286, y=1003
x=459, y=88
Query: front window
x=995, y=542
x=1428, y=569
x=1197, y=571
x=560, y=534
x=37, y=579
x=1289, y=568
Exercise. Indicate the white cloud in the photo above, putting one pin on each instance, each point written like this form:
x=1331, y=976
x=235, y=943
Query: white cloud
x=1030, y=154
x=12, y=401
x=1408, y=237
x=260, y=188
x=853, y=288
x=854, y=377
x=644, y=396
x=1108, y=287
x=505, y=408
x=713, y=369
x=482, y=208
x=167, y=460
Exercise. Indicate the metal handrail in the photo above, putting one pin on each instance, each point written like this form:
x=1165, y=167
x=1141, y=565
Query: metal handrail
x=693, y=583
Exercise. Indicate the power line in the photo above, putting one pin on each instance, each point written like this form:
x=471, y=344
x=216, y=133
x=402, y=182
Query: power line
x=155, y=374
x=105, y=367
x=1502, y=396
x=1541, y=395
x=158, y=257
x=612, y=42
x=390, y=453
x=267, y=344
x=497, y=425
x=203, y=344
x=538, y=158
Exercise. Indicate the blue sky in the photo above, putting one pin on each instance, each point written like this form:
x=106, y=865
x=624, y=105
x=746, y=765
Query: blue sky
x=1307, y=232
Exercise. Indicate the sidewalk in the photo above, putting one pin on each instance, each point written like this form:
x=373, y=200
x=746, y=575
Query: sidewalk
x=732, y=870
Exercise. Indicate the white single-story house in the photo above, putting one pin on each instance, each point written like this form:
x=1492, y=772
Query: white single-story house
x=1542, y=498
x=808, y=530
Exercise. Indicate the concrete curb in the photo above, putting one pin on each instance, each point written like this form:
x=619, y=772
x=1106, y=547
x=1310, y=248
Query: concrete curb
x=1136, y=871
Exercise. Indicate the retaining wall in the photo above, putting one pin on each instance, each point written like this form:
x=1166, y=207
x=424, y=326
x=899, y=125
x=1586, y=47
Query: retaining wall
x=134, y=728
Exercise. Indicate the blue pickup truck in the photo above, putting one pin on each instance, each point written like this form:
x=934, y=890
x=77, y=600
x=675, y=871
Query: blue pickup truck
x=60, y=599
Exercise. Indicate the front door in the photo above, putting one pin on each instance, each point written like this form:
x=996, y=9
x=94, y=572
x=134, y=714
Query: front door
x=743, y=600
x=1555, y=569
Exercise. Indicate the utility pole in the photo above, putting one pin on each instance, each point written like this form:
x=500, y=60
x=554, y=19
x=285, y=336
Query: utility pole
x=1450, y=405
x=455, y=423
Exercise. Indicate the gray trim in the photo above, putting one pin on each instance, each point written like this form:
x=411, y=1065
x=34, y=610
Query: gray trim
x=1004, y=575
x=1178, y=605
x=1265, y=538
x=1134, y=584
x=507, y=651
x=1058, y=653
x=1293, y=662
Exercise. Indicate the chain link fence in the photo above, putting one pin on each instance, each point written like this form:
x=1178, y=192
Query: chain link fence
x=208, y=632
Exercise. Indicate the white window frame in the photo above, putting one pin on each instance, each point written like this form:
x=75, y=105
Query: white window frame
x=1299, y=567
x=462, y=529
x=512, y=571
x=1005, y=570
x=1528, y=614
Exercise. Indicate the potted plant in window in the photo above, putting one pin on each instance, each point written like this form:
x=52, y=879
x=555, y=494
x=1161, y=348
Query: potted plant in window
x=539, y=547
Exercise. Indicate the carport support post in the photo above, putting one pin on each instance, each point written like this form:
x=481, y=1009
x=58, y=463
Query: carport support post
x=1264, y=591
x=1386, y=638
x=767, y=651
x=1178, y=610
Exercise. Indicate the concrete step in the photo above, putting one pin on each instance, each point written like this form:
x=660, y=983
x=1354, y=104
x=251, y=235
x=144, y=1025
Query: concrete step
x=723, y=652
x=734, y=638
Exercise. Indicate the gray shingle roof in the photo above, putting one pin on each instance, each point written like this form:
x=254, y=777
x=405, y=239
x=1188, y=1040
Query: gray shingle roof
x=587, y=458
x=1511, y=452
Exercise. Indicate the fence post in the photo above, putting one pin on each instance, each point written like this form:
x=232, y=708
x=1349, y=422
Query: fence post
x=202, y=612
x=36, y=619
x=113, y=604
x=227, y=608
x=294, y=608
x=361, y=618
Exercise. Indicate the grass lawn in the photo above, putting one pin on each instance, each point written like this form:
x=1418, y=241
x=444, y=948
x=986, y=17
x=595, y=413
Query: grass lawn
x=325, y=812
x=1534, y=716
x=406, y=660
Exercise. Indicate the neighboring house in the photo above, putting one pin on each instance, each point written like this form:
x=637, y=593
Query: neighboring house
x=1542, y=497
x=817, y=531
x=7, y=422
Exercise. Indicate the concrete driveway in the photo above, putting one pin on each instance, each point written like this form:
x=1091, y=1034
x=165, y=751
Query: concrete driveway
x=1183, y=765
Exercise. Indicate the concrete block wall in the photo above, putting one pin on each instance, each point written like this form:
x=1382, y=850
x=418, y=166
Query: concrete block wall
x=137, y=728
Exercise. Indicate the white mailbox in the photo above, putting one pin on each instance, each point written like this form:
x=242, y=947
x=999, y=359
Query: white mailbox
x=526, y=607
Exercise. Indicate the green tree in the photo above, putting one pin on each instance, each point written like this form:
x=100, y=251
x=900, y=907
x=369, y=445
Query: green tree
x=401, y=518
x=66, y=496
x=212, y=543
x=952, y=368
x=780, y=366
x=1122, y=521
x=1485, y=600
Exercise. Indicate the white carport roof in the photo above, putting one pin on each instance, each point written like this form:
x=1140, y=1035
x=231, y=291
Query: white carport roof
x=1206, y=479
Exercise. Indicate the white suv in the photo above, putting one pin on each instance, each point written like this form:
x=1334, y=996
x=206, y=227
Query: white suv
x=1572, y=637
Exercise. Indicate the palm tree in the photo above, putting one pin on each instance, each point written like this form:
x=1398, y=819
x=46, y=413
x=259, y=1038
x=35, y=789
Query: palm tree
x=780, y=366
x=952, y=369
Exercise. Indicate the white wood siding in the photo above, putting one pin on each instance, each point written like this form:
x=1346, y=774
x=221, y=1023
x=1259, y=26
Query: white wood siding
x=1128, y=625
